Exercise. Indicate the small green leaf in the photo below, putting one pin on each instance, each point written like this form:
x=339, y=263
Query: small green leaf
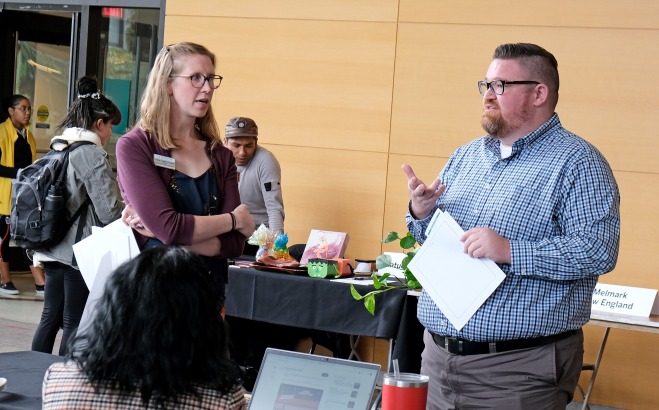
x=383, y=261
x=391, y=236
x=413, y=284
x=407, y=242
x=369, y=303
x=410, y=280
x=406, y=261
x=354, y=293
x=381, y=281
x=409, y=275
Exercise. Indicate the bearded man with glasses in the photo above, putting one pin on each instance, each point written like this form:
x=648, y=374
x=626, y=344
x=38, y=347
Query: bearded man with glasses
x=543, y=204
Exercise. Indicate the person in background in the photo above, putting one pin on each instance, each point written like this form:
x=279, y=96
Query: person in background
x=259, y=182
x=544, y=205
x=91, y=184
x=18, y=149
x=178, y=181
x=156, y=340
x=259, y=176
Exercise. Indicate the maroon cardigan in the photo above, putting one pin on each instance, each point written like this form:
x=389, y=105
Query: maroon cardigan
x=144, y=187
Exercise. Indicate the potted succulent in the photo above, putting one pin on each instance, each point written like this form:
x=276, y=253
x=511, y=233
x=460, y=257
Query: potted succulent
x=381, y=283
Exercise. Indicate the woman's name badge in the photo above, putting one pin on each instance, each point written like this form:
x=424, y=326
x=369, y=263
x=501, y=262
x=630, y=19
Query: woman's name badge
x=164, y=162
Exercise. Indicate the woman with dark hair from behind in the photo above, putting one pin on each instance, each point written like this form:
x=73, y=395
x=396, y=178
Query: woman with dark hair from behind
x=156, y=340
x=91, y=188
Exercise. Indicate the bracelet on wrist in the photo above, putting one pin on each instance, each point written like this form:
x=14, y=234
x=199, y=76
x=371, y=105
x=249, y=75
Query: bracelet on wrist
x=233, y=221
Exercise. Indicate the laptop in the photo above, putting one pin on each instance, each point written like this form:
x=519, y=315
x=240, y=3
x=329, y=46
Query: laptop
x=301, y=381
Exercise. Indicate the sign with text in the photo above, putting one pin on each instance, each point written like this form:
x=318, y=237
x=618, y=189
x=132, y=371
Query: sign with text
x=623, y=300
x=396, y=267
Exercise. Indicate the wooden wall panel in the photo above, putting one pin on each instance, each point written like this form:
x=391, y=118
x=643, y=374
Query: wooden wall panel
x=611, y=102
x=559, y=13
x=333, y=190
x=437, y=106
x=309, y=83
x=445, y=73
x=627, y=375
x=639, y=199
x=363, y=10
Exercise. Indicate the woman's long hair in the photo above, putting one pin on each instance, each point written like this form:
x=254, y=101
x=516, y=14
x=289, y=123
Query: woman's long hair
x=156, y=104
x=88, y=107
x=157, y=330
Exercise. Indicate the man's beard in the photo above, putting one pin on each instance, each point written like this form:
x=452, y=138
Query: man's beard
x=493, y=124
x=498, y=127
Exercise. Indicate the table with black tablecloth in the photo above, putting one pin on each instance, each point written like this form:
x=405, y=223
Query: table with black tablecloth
x=321, y=304
x=24, y=372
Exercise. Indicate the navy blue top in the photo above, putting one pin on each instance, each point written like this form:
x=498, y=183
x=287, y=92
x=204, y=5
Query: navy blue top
x=197, y=196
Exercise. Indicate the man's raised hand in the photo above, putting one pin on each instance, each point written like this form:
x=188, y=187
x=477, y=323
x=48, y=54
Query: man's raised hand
x=422, y=197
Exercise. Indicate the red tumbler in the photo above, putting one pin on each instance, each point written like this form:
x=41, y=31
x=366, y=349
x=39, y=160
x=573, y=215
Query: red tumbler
x=405, y=391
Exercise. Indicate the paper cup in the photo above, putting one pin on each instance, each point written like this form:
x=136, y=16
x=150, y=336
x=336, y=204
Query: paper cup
x=408, y=391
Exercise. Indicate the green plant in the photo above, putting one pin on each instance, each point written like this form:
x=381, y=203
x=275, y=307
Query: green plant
x=381, y=283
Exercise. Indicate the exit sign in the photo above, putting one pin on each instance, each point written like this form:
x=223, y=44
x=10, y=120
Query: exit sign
x=115, y=12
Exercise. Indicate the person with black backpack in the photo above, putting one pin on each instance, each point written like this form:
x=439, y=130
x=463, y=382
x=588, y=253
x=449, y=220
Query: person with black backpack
x=18, y=149
x=91, y=188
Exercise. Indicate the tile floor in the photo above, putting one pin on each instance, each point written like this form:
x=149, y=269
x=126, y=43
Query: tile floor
x=24, y=307
x=21, y=314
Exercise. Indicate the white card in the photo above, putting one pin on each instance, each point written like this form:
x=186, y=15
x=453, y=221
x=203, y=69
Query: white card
x=623, y=300
x=164, y=162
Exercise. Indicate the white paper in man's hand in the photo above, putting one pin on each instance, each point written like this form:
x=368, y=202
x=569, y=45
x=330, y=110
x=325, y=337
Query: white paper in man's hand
x=456, y=282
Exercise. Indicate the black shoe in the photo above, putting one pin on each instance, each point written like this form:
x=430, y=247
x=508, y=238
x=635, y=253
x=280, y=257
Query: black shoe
x=40, y=289
x=8, y=288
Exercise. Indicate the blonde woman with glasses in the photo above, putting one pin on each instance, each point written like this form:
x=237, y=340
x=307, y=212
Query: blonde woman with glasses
x=178, y=180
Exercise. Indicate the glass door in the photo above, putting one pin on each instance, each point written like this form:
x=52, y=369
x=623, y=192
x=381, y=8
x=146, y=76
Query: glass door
x=42, y=72
x=42, y=66
x=127, y=45
x=48, y=46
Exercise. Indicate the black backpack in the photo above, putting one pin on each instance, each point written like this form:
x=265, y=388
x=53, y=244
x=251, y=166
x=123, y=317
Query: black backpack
x=38, y=197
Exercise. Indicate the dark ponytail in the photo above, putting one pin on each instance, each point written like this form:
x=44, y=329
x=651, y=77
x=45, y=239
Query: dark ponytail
x=89, y=106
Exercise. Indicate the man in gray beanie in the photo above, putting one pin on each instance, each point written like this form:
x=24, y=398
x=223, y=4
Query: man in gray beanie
x=259, y=174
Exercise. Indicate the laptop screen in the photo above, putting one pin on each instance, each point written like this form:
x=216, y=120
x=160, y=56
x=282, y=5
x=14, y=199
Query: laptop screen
x=300, y=381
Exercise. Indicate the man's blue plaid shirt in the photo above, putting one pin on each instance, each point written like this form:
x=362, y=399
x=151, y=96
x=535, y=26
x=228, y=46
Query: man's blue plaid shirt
x=556, y=200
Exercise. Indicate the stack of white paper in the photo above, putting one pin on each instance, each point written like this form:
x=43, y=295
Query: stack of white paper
x=456, y=282
x=98, y=256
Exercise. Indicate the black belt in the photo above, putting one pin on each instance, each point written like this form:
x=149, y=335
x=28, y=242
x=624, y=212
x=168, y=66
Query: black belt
x=465, y=347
